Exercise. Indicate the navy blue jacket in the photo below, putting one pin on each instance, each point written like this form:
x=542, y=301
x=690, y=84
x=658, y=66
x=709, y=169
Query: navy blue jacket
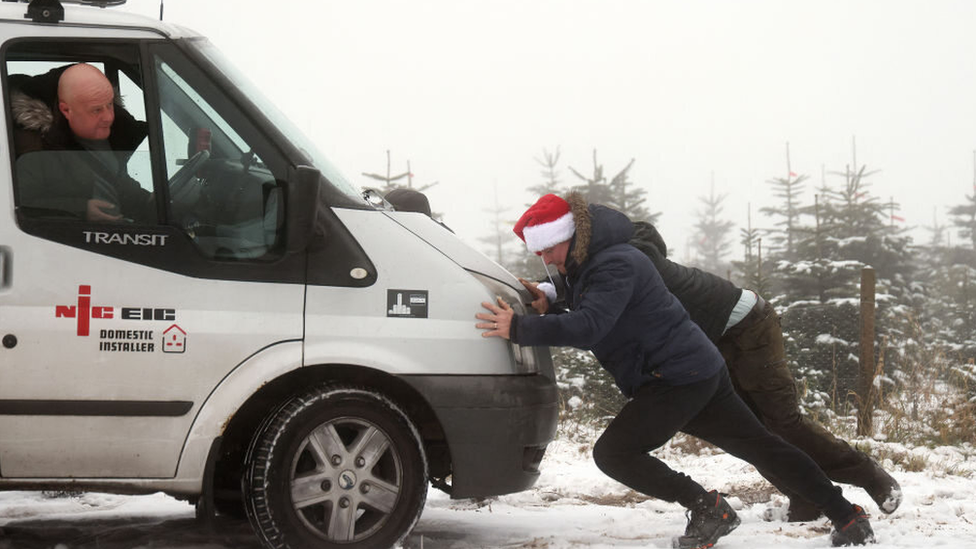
x=620, y=310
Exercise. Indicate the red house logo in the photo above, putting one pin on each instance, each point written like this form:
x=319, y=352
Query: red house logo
x=174, y=340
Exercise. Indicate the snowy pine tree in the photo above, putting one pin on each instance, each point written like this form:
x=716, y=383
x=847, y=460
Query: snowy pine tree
x=954, y=281
x=788, y=190
x=852, y=229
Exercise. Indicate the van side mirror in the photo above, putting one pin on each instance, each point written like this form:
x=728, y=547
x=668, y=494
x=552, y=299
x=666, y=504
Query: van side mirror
x=303, y=202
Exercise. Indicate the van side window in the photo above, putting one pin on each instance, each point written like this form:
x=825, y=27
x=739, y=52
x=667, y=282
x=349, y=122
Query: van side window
x=137, y=137
x=73, y=156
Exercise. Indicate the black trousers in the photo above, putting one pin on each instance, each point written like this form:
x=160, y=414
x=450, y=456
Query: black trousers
x=711, y=411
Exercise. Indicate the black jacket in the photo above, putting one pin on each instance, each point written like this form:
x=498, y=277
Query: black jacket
x=620, y=309
x=708, y=298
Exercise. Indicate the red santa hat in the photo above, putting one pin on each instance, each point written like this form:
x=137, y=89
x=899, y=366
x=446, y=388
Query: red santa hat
x=548, y=222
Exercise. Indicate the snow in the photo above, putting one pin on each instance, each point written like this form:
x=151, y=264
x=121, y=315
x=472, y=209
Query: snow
x=828, y=339
x=844, y=242
x=572, y=506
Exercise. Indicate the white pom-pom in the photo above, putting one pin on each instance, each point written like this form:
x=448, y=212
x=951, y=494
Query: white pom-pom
x=549, y=290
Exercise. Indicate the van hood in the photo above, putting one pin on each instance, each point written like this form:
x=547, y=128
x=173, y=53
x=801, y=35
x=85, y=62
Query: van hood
x=448, y=243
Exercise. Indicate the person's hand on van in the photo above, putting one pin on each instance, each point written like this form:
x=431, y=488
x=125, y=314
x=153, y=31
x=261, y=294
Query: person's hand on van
x=102, y=210
x=498, y=322
x=539, y=300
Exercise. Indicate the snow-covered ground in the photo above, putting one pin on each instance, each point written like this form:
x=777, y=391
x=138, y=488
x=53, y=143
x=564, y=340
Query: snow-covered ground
x=573, y=505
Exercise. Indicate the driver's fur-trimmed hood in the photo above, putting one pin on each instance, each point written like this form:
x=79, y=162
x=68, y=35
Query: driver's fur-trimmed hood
x=31, y=113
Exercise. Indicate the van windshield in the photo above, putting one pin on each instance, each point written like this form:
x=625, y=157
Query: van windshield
x=212, y=56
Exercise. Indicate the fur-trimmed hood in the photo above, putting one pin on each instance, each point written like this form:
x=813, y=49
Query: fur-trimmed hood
x=584, y=226
x=597, y=227
x=31, y=113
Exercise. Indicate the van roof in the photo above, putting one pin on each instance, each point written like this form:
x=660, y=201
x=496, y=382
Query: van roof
x=78, y=15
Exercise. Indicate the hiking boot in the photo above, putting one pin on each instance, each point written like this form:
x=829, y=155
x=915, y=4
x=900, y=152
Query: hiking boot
x=802, y=510
x=709, y=518
x=883, y=489
x=855, y=530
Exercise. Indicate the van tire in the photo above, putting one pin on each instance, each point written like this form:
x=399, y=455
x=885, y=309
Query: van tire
x=379, y=494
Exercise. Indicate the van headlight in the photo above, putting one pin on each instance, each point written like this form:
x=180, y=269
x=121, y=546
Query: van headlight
x=524, y=357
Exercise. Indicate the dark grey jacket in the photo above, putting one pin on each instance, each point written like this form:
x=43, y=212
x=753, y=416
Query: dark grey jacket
x=708, y=298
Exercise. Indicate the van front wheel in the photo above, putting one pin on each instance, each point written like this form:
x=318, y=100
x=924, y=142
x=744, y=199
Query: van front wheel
x=335, y=467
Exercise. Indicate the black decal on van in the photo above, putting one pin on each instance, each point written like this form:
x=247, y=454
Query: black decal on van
x=406, y=303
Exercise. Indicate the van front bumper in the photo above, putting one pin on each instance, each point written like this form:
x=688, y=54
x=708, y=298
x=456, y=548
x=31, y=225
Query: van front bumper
x=497, y=428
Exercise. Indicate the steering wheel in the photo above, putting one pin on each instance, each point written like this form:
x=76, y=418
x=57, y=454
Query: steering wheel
x=178, y=183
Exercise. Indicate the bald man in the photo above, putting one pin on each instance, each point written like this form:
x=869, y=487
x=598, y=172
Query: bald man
x=86, y=99
x=87, y=178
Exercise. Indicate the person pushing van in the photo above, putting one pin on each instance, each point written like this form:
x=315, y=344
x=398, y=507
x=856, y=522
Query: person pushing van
x=747, y=331
x=675, y=378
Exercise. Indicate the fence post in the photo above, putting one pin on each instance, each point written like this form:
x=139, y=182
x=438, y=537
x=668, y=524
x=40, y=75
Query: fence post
x=865, y=390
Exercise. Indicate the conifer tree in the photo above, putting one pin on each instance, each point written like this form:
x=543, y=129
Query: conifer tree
x=619, y=193
x=500, y=243
x=629, y=199
x=953, y=285
x=551, y=183
x=964, y=219
x=788, y=189
x=594, y=189
x=808, y=275
x=753, y=274
x=391, y=181
x=852, y=229
x=947, y=315
x=712, y=243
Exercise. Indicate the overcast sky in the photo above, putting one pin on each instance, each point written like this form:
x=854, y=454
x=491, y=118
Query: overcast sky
x=694, y=90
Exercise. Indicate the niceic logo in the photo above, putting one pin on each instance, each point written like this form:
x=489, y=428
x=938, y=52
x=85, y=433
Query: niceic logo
x=84, y=311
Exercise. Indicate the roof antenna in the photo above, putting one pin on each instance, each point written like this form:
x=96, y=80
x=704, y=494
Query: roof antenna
x=160, y=10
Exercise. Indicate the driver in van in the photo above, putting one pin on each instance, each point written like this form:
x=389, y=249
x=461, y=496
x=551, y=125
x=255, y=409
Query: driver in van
x=93, y=137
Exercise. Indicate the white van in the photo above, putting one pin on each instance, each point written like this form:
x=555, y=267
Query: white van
x=247, y=331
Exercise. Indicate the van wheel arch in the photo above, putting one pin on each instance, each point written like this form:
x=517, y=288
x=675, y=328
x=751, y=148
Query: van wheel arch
x=225, y=483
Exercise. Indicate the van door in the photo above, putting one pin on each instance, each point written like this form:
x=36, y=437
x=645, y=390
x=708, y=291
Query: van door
x=118, y=323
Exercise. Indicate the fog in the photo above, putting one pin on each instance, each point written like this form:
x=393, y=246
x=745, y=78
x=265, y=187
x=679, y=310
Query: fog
x=696, y=91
